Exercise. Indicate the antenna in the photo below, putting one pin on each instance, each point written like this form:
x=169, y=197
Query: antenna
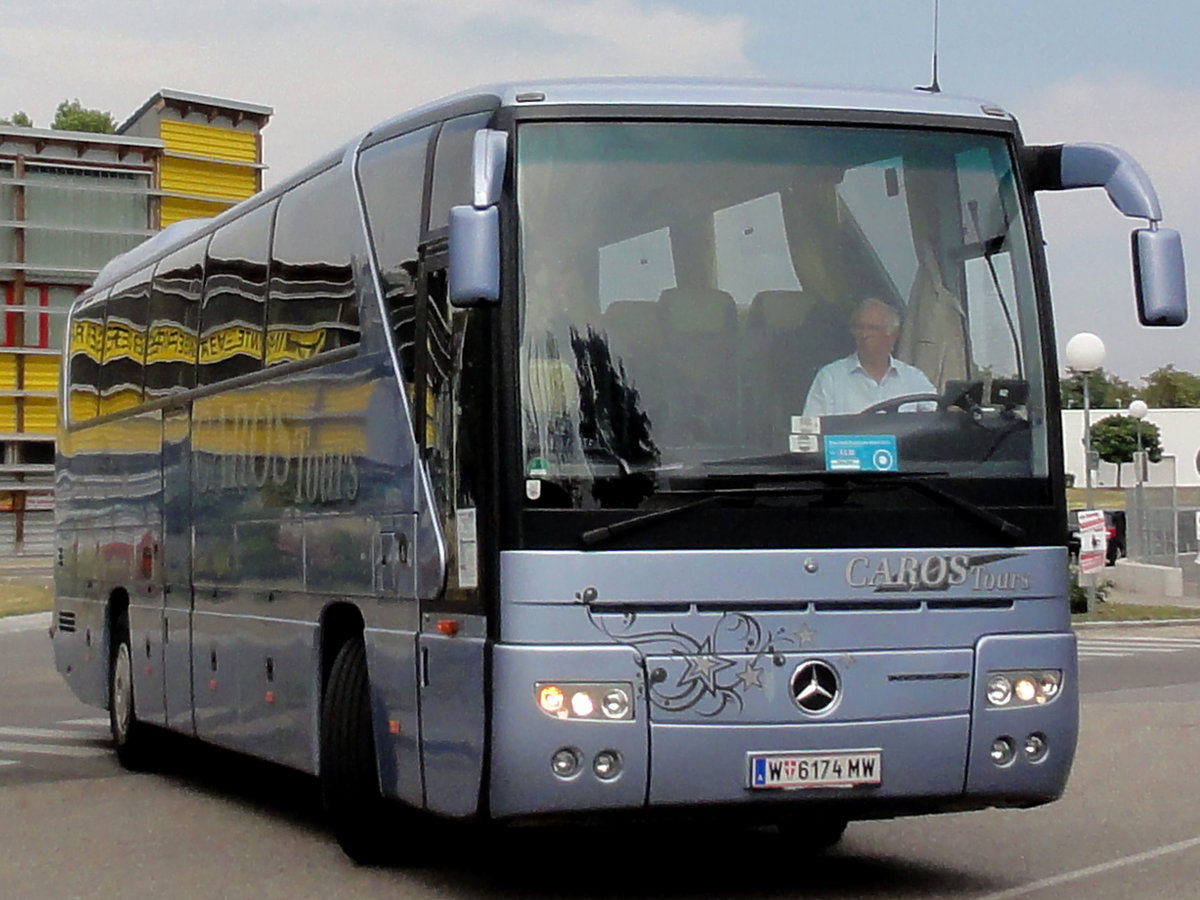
x=932, y=87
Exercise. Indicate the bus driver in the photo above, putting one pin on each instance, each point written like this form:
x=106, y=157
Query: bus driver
x=871, y=374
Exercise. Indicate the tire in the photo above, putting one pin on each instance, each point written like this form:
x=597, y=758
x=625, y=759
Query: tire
x=812, y=835
x=349, y=777
x=131, y=738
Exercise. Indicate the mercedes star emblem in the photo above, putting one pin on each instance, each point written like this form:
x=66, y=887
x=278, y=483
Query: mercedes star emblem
x=815, y=687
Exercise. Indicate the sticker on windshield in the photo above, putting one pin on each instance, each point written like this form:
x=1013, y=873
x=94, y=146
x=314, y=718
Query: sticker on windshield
x=806, y=424
x=804, y=443
x=861, y=453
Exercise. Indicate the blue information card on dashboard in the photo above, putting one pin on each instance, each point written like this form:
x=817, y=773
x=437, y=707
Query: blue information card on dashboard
x=861, y=453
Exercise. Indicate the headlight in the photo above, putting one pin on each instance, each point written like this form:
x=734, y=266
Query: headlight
x=1013, y=690
x=598, y=701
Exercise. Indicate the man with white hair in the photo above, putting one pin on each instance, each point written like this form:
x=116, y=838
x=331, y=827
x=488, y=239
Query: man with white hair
x=871, y=374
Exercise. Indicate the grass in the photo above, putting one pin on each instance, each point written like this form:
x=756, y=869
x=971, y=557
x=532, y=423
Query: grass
x=25, y=595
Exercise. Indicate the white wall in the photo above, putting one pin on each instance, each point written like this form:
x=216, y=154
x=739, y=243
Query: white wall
x=1180, y=436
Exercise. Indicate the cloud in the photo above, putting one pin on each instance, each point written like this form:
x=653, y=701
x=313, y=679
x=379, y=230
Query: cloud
x=333, y=69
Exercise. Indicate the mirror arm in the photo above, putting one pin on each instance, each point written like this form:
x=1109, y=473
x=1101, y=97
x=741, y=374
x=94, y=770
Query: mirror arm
x=1062, y=167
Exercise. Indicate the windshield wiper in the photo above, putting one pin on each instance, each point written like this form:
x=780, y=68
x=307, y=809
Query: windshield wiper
x=825, y=483
x=705, y=497
x=594, y=536
x=1009, y=529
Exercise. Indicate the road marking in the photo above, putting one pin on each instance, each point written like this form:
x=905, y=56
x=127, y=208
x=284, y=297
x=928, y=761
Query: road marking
x=1065, y=877
x=32, y=622
x=73, y=751
x=8, y=762
x=1090, y=647
x=101, y=721
x=11, y=731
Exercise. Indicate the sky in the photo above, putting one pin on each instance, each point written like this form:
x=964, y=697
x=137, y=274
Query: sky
x=1070, y=70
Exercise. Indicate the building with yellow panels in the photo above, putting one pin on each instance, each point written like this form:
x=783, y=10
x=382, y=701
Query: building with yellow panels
x=212, y=151
x=70, y=202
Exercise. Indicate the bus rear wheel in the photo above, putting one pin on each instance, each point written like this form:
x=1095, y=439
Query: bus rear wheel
x=130, y=737
x=349, y=778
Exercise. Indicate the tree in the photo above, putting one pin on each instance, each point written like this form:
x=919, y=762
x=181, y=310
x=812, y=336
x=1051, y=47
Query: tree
x=1115, y=440
x=20, y=118
x=1107, y=391
x=1169, y=388
x=71, y=116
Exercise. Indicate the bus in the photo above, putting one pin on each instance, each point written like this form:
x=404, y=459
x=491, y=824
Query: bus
x=473, y=469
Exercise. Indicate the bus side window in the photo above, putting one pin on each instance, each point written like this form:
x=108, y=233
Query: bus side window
x=313, y=303
x=121, y=368
x=393, y=185
x=173, y=339
x=452, y=183
x=235, y=289
x=85, y=349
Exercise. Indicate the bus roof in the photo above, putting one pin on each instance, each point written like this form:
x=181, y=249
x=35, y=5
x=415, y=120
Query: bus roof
x=748, y=93
x=612, y=91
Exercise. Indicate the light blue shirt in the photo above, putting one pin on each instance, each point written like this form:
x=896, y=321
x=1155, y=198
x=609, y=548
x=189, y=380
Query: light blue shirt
x=844, y=387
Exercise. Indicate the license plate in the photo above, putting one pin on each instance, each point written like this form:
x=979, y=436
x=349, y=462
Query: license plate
x=827, y=769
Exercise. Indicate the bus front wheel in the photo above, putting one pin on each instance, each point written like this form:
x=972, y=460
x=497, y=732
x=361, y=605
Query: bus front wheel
x=348, y=774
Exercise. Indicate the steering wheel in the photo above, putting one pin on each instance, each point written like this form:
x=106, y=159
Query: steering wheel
x=893, y=404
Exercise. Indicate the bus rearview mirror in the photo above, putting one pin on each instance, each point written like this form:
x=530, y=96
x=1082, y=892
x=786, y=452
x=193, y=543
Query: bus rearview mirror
x=1159, y=277
x=474, y=271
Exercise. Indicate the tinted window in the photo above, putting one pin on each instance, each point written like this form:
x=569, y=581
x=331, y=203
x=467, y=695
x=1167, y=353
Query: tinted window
x=235, y=293
x=393, y=183
x=313, y=304
x=86, y=348
x=452, y=167
x=124, y=344
x=171, y=346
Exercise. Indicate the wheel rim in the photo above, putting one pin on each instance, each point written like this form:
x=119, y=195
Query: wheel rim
x=122, y=693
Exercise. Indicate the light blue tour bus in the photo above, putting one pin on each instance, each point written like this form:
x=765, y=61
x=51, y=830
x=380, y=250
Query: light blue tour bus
x=472, y=469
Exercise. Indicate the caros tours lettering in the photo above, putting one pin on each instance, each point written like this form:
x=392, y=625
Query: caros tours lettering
x=267, y=451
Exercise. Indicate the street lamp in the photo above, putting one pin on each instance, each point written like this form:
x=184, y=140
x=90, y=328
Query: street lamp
x=1138, y=409
x=1085, y=354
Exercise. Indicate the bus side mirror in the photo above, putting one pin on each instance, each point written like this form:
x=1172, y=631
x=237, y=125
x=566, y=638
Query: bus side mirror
x=1158, y=272
x=474, y=270
x=1159, y=277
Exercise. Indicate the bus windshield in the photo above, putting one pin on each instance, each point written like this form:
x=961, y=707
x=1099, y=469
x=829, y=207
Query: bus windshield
x=704, y=299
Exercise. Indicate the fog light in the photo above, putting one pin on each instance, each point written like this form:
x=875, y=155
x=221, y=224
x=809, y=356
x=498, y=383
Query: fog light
x=1035, y=747
x=607, y=765
x=1003, y=751
x=565, y=762
x=999, y=690
x=615, y=704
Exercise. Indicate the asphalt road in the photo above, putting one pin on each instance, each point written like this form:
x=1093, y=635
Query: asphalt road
x=74, y=824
